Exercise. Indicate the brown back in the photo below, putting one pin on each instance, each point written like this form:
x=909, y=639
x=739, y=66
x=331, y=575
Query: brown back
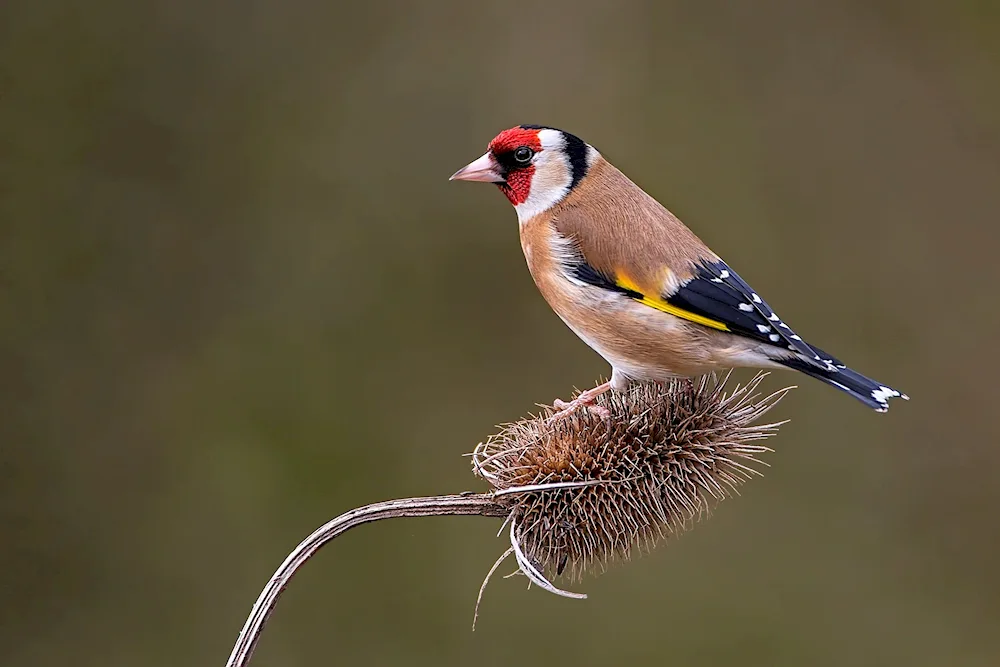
x=620, y=229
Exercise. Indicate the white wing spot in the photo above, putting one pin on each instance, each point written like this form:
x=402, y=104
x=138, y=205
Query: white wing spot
x=774, y=338
x=774, y=317
x=724, y=274
x=746, y=307
x=793, y=348
x=763, y=328
x=795, y=337
x=756, y=299
x=783, y=325
x=716, y=280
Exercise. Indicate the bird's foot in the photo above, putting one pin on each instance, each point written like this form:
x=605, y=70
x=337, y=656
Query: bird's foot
x=585, y=401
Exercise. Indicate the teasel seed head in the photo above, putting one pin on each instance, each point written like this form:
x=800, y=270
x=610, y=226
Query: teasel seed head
x=585, y=490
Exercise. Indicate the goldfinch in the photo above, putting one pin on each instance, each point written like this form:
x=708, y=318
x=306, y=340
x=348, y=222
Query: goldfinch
x=632, y=281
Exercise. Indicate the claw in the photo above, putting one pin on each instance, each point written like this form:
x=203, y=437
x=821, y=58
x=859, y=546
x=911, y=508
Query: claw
x=585, y=401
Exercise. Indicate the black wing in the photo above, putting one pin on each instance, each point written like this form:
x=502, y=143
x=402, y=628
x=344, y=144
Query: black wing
x=721, y=299
x=717, y=292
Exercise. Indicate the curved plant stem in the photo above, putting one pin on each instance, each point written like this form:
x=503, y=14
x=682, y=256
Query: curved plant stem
x=464, y=504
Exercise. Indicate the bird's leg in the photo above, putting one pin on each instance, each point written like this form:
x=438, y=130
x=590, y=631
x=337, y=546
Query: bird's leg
x=584, y=401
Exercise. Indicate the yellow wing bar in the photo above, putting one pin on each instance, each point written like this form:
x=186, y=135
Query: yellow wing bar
x=661, y=305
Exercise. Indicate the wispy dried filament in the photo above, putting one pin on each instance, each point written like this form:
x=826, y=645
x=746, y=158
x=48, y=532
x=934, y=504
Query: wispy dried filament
x=584, y=490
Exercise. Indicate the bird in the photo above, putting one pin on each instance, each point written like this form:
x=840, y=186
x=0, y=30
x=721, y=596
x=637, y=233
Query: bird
x=632, y=281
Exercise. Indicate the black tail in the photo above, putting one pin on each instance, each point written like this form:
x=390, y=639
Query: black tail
x=873, y=394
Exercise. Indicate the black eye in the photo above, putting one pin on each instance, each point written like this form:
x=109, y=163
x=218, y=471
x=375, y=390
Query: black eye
x=523, y=154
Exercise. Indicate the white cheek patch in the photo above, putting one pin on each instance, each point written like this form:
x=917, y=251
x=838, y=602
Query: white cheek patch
x=552, y=179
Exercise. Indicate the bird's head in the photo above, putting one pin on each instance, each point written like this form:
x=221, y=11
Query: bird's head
x=534, y=166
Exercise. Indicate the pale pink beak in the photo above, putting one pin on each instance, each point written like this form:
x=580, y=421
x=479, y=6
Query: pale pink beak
x=485, y=169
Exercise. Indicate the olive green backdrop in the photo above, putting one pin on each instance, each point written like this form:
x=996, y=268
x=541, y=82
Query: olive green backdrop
x=238, y=295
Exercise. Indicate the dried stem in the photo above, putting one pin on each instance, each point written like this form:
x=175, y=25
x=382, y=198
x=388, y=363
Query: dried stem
x=465, y=504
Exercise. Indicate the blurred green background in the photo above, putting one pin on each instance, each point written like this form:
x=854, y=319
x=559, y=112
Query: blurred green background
x=240, y=296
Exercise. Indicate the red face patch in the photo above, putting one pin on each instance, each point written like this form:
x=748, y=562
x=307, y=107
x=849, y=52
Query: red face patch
x=508, y=140
x=518, y=185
